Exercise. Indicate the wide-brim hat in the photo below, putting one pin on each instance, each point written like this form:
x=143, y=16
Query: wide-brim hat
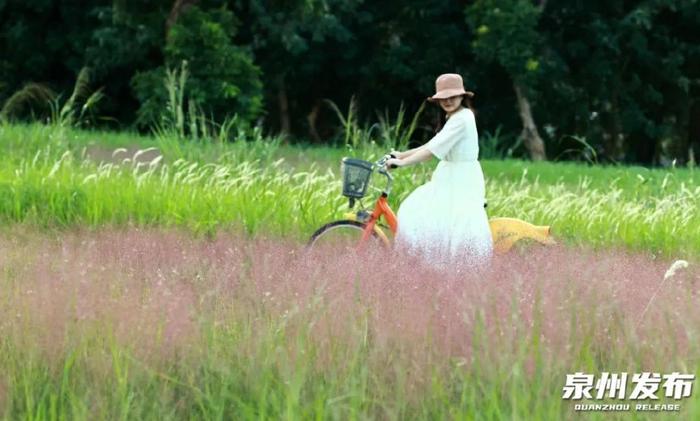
x=449, y=85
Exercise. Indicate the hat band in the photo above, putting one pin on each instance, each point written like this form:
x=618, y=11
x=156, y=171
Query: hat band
x=448, y=93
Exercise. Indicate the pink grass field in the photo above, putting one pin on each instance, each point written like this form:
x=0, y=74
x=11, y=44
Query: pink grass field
x=154, y=291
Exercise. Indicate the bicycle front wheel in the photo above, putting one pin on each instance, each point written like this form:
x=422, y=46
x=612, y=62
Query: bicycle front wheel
x=343, y=236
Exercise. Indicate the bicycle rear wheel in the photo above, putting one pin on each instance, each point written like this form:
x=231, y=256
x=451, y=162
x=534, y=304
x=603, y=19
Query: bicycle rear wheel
x=343, y=236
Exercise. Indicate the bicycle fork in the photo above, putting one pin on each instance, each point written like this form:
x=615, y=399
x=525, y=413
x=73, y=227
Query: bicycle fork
x=381, y=208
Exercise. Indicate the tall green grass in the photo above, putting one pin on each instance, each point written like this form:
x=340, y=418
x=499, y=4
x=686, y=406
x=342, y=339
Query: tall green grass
x=255, y=184
x=249, y=372
x=77, y=110
x=202, y=197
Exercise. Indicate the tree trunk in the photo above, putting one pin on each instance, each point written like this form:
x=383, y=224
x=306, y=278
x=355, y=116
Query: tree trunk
x=178, y=8
x=283, y=102
x=614, y=138
x=531, y=137
x=693, y=133
x=312, y=117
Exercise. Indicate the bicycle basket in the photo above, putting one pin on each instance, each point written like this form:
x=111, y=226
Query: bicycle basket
x=356, y=174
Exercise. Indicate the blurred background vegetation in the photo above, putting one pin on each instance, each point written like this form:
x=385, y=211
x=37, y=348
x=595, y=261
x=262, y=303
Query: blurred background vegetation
x=600, y=81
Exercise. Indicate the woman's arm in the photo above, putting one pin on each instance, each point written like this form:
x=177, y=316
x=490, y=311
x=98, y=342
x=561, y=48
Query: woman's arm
x=438, y=146
x=406, y=154
x=421, y=154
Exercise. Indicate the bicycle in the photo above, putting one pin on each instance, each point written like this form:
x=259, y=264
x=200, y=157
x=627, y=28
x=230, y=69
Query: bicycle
x=360, y=226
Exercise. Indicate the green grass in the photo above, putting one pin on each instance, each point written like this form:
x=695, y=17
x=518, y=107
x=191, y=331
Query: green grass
x=263, y=187
x=247, y=372
x=245, y=360
x=236, y=373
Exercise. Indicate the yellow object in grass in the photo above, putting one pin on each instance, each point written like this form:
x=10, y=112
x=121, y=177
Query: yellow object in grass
x=507, y=231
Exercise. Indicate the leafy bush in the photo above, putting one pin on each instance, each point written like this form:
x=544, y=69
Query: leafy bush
x=223, y=79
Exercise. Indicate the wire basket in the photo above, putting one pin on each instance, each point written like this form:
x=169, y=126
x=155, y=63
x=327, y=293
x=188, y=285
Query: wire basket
x=356, y=174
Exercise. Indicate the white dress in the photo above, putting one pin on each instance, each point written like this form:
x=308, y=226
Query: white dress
x=444, y=220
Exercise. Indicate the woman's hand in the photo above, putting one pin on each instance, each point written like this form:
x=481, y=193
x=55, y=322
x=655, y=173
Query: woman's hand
x=393, y=163
x=396, y=154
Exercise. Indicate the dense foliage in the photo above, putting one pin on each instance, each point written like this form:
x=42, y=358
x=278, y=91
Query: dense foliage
x=604, y=81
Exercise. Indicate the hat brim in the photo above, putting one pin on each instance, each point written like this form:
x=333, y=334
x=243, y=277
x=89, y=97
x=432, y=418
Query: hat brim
x=449, y=93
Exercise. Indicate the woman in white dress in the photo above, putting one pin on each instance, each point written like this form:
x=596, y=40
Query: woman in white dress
x=444, y=220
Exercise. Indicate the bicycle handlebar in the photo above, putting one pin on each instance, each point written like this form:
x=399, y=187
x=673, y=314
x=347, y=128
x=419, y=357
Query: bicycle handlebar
x=385, y=158
x=380, y=163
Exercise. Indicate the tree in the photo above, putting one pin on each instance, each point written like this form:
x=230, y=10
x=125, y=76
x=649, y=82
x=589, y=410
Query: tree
x=622, y=75
x=223, y=78
x=381, y=53
x=506, y=33
x=179, y=7
x=129, y=39
x=296, y=44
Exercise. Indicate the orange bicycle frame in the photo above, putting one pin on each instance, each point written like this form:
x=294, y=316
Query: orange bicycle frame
x=381, y=208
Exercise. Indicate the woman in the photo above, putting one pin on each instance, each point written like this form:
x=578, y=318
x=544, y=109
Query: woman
x=444, y=220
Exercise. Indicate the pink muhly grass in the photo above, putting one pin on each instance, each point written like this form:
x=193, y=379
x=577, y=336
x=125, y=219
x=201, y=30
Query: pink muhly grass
x=158, y=292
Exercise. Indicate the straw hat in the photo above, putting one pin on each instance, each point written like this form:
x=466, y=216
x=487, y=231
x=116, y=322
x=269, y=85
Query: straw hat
x=448, y=85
